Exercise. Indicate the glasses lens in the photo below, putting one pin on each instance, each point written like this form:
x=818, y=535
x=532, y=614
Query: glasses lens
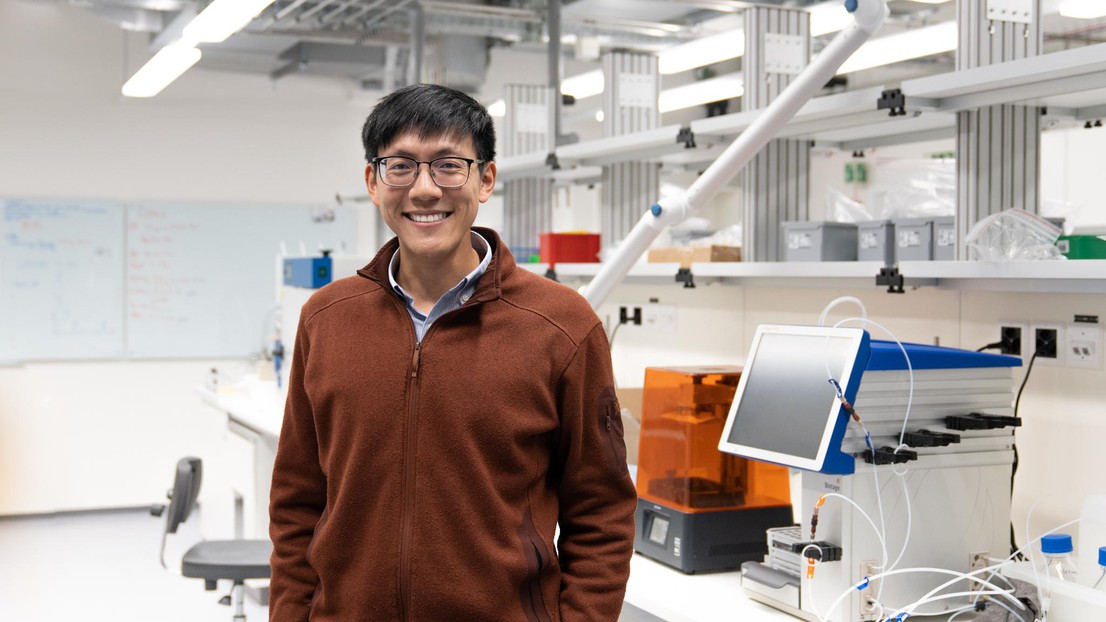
x=449, y=172
x=398, y=171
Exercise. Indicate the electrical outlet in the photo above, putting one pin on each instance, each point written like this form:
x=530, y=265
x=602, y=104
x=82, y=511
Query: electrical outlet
x=629, y=314
x=869, y=609
x=1012, y=337
x=1047, y=344
x=1083, y=346
x=661, y=318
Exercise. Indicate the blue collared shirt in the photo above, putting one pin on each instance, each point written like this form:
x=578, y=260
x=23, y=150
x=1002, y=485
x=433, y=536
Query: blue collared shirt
x=450, y=300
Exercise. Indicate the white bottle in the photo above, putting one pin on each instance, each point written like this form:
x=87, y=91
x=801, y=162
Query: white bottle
x=1058, y=562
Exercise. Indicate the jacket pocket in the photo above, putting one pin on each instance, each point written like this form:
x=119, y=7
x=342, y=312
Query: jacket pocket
x=611, y=430
x=537, y=560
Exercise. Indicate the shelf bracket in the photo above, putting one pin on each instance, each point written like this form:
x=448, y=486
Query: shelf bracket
x=890, y=276
x=893, y=100
x=683, y=275
x=687, y=137
x=551, y=274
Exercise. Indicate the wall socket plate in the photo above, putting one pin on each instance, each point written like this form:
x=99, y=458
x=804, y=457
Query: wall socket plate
x=1024, y=352
x=868, y=610
x=1029, y=345
x=1083, y=345
x=658, y=317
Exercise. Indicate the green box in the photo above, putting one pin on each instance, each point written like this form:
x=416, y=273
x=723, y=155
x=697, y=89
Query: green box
x=1082, y=246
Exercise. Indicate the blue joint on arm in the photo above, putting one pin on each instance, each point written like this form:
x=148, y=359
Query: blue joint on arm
x=850, y=5
x=656, y=209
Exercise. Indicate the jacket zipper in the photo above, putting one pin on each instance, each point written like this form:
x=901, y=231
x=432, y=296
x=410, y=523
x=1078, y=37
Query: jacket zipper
x=409, y=485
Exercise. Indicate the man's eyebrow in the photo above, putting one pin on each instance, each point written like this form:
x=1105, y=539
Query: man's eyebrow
x=443, y=152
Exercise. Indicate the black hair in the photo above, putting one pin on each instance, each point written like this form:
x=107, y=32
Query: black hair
x=431, y=110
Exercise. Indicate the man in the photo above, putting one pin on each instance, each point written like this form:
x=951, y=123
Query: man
x=447, y=411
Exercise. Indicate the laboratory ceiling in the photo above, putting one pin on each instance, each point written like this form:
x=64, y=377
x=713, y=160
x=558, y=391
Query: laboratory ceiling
x=368, y=41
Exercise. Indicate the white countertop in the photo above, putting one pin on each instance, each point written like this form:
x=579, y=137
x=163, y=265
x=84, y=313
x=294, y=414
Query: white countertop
x=256, y=404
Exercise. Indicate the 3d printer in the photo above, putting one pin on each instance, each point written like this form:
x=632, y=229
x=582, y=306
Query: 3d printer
x=700, y=509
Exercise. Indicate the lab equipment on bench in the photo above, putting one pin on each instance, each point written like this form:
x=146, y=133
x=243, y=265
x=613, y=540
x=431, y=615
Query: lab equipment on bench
x=699, y=509
x=889, y=507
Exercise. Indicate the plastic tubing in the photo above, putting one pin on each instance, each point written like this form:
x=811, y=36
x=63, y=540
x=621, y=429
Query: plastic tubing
x=909, y=518
x=959, y=577
x=909, y=368
x=837, y=301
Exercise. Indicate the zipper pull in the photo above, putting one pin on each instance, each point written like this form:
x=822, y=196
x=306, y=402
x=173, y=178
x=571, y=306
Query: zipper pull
x=415, y=360
x=608, y=423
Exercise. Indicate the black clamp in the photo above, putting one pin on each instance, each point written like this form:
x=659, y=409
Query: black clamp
x=551, y=274
x=893, y=100
x=819, y=551
x=980, y=421
x=683, y=275
x=925, y=438
x=892, y=278
x=888, y=455
x=552, y=162
x=687, y=137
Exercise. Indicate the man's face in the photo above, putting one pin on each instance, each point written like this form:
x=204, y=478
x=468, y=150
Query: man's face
x=431, y=222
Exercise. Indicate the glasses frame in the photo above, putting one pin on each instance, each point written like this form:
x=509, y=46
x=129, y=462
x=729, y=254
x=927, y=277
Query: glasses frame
x=418, y=169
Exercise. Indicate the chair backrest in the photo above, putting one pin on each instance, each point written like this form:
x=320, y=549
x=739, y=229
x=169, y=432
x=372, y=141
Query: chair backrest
x=186, y=488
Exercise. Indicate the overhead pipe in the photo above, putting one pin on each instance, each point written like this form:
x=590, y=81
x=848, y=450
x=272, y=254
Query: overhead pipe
x=418, y=41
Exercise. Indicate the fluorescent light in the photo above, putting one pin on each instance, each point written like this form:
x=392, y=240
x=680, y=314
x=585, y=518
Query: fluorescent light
x=498, y=108
x=702, y=92
x=584, y=85
x=703, y=51
x=931, y=1
x=828, y=17
x=599, y=116
x=916, y=43
x=1083, y=9
x=165, y=66
x=221, y=19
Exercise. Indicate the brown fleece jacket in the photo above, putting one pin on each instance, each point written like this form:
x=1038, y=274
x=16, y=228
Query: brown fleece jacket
x=425, y=482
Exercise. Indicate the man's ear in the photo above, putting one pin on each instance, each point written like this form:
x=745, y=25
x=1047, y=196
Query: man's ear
x=371, y=183
x=487, y=181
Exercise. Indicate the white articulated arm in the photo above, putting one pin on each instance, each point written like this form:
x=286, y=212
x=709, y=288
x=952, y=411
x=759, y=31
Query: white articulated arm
x=868, y=15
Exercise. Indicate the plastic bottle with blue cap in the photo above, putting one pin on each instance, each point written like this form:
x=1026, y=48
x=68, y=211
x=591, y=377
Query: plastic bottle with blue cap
x=1100, y=585
x=1059, y=565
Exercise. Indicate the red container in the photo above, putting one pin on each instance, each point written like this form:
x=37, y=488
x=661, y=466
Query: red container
x=569, y=248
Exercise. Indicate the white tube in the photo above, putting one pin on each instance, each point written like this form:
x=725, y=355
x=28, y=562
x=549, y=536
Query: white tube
x=867, y=18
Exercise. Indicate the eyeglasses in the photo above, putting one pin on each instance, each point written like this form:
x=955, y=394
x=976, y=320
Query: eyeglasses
x=401, y=171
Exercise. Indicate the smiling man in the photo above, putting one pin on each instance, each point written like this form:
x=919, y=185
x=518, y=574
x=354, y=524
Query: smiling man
x=447, y=412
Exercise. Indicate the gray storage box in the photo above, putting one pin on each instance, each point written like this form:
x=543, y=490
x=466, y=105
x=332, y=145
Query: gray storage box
x=875, y=241
x=944, y=238
x=818, y=241
x=914, y=239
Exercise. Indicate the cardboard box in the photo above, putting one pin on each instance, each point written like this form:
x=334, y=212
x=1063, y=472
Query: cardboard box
x=686, y=255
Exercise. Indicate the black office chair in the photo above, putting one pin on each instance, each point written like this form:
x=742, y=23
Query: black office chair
x=234, y=560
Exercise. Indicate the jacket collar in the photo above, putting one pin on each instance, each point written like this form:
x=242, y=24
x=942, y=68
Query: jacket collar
x=488, y=288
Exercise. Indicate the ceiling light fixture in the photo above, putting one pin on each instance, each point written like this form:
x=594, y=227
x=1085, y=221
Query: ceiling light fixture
x=702, y=92
x=907, y=45
x=158, y=72
x=1083, y=9
x=221, y=19
x=703, y=51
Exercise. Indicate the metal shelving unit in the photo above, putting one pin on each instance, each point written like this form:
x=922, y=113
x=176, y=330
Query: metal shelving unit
x=1074, y=277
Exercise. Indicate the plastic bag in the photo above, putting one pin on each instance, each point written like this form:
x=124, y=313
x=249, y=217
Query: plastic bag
x=1011, y=235
x=840, y=208
x=729, y=236
x=914, y=188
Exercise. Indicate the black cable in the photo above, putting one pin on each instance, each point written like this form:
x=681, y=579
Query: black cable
x=1014, y=469
x=1028, y=370
x=991, y=346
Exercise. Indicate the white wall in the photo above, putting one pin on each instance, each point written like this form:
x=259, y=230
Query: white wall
x=106, y=434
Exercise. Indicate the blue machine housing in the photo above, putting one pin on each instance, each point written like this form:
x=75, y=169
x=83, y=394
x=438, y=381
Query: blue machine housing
x=878, y=355
x=310, y=272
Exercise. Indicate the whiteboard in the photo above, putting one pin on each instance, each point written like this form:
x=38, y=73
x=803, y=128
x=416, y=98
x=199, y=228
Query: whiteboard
x=61, y=280
x=201, y=278
x=83, y=280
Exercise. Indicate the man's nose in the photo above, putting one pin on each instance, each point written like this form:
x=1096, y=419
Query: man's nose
x=424, y=181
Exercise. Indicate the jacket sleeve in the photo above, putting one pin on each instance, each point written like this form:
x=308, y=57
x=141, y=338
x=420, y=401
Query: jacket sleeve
x=597, y=496
x=296, y=499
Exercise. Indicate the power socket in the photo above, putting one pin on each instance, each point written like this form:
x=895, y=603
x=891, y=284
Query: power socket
x=1083, y=346
x=1046, y=344
x=1011, y=335
x=629, y=314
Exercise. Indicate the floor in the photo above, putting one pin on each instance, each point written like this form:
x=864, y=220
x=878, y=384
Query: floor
x=102, y=566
